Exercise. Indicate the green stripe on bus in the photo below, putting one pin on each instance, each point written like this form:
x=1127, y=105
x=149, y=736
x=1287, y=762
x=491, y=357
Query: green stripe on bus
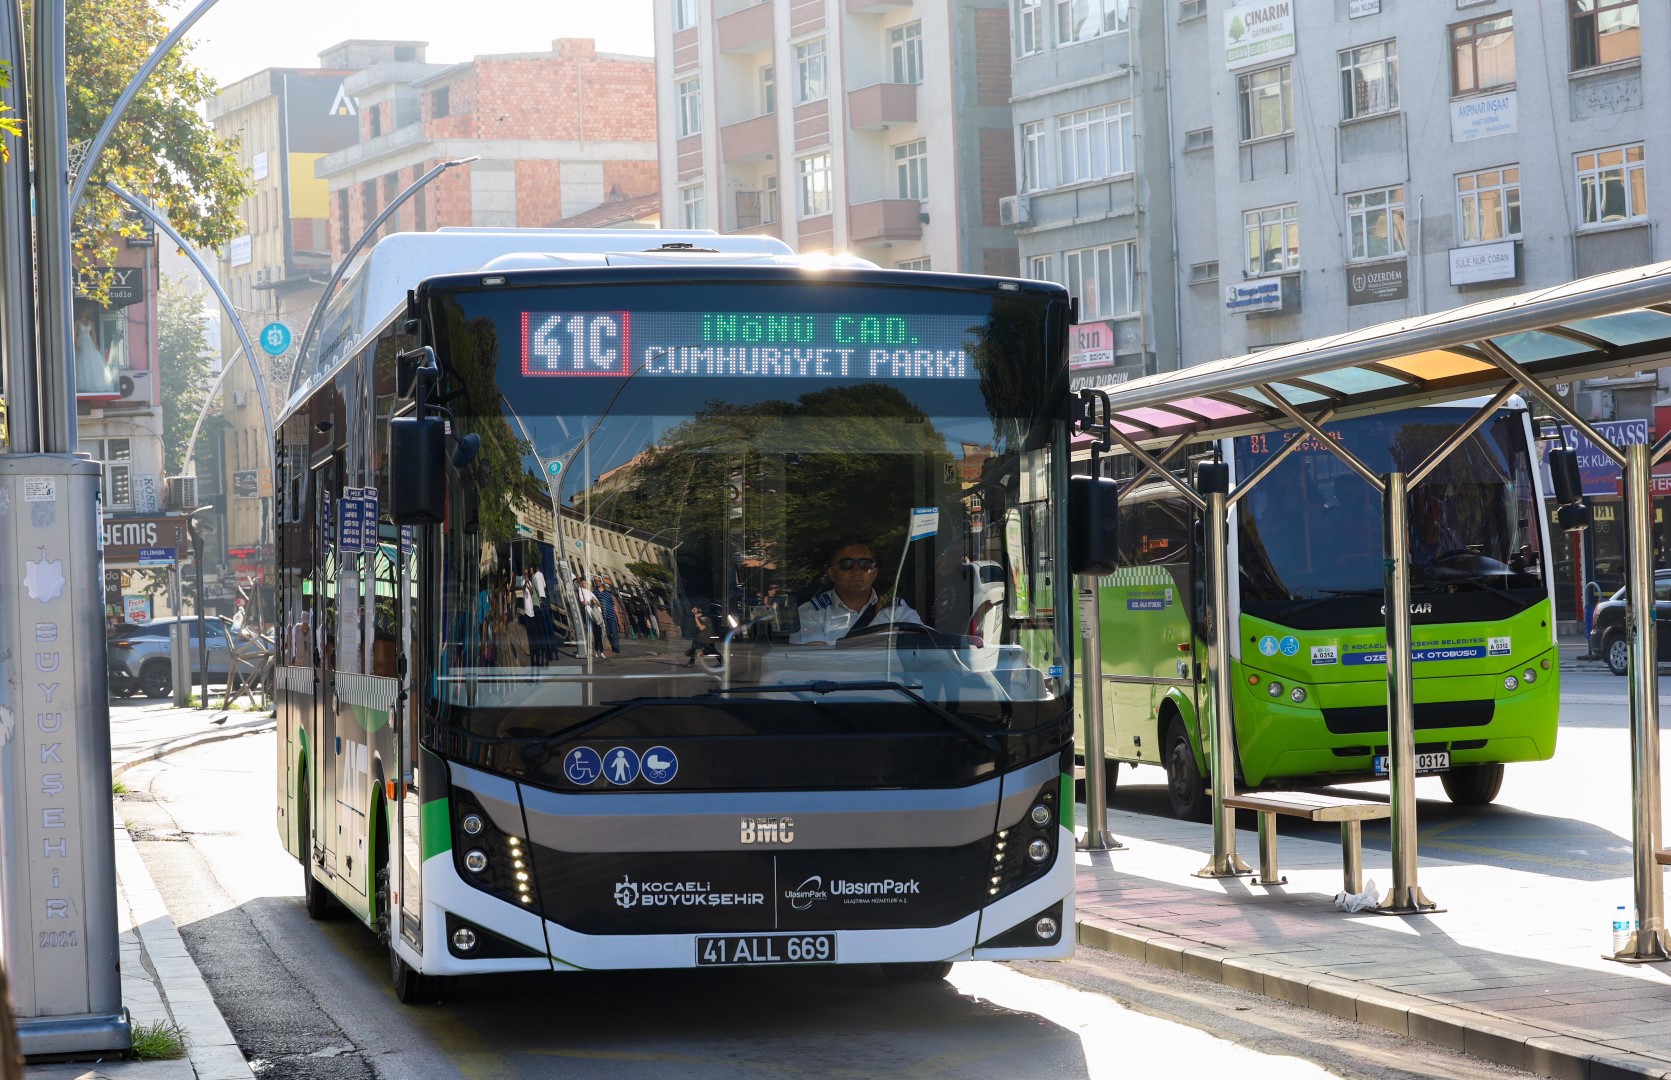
x=437, y=824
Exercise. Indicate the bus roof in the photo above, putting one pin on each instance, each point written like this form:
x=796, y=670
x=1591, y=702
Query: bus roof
x=374, y=289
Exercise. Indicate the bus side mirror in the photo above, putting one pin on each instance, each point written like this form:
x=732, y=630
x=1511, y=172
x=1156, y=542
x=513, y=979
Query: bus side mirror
x=1563, y=470
x=1093, y=525
x=418, y=470
x=1572, y=517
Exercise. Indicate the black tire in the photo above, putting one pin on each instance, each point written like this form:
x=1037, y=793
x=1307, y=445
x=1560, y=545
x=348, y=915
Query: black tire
x=156, y=681
x=315, y=897
x=1616, y=652
x=410, y=987
x=1186, y=790
x=1111, y=776
x=1473, y=785
x=928, y=971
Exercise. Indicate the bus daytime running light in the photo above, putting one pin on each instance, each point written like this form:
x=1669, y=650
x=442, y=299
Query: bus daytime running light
x=1297, y=695
x=1038, y=851
x=475, y=860
x=1274, y=689
x=464, y=939
x=1510, y=682
x=472, y=825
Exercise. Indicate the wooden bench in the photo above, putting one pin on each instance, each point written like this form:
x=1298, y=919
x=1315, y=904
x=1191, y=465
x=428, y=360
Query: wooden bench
x=1351, y=813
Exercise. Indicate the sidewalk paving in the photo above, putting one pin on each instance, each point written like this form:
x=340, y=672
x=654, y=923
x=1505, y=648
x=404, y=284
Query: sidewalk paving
x=1511, y=970
x=160, y=981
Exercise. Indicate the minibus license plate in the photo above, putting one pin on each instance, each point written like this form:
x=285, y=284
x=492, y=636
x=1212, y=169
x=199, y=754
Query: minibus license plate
x=1439, y=761
x=765, y=949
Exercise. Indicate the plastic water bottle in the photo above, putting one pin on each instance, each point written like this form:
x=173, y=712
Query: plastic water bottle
x=1621, y=929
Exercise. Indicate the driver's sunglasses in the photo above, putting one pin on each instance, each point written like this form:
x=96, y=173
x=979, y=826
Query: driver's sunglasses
x=848, y=564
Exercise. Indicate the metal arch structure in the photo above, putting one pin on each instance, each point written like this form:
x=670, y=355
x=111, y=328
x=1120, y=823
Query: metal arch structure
x=1612, y=323
x=225, y=302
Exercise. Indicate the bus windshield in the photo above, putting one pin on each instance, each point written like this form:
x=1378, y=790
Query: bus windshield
x=1309, y=534
x=684, y=512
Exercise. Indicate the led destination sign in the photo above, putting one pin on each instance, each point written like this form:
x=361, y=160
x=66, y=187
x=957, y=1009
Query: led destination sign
x=750, y=345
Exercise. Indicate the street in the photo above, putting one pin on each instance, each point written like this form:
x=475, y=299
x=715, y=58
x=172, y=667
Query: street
x=309, y=999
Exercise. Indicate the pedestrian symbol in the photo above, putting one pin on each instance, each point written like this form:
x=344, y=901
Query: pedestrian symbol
x=1268, y=645
x=275, y=339
x=621, y=766
x=582, y=765
x=660, y=765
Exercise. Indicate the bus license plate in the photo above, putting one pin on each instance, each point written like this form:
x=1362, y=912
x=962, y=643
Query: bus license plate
x=1439, y=761
x=765, y=949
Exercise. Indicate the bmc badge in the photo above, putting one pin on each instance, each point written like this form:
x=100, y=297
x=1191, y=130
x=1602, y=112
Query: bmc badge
x=767, y=830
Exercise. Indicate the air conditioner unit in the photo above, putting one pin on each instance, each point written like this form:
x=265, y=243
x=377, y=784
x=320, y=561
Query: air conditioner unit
x=240, y=398
x=128, y=385
x=180, y=493
x=261, y=276
x=1594, y=404
x=1014, y=210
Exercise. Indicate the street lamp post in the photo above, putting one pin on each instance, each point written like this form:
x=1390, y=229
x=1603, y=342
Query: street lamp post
x=202, y=628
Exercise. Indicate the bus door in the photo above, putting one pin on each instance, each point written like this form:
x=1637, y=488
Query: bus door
x=322, y=723
x=406, y=858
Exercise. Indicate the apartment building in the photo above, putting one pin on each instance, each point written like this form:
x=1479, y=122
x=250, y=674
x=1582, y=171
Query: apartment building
x=876, y=127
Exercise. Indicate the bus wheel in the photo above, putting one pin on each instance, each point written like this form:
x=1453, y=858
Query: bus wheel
x=411, y=987
x=931, y=971
x=1185, y=788
x=1473, y=785
x=315, y=897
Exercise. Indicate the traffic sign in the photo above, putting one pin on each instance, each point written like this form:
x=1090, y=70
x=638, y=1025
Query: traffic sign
x=275, y=339
x=554, y=467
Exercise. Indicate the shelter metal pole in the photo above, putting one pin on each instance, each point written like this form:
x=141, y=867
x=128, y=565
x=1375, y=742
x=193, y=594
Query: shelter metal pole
x=1097, y=837
x=1150, y=465
x=1225, y=862
x=1158, y=463
x=49, y=125
x=1245, y=486
x=1406, y=897
x=17, y=256
x=1648, y=942
x=1520, y=375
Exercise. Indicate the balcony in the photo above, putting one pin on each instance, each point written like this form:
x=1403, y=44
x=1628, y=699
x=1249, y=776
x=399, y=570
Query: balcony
x=745, y=30
x=884, y=219
x=876, y=7
x=872, y=108
x=748, y=140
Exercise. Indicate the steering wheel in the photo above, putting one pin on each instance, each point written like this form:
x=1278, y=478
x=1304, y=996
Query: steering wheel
x=934, y=637
x=1453, y=553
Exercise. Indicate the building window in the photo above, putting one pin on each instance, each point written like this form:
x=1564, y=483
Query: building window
x=1604, y=32
x=116, y=489
x=440, y=103
x=1375, y=224
x=1488, y=204
x=768, y=201
x=1202, y=272
x=1273, y=239
x=1032, y=156
x=1612, y=185
x=1095, y=143
x=915, y=264
x=905, y=43
x=1267, y=99
x=809, y=72
x=1041, y=268
x=693, y=207
x=1199, y=139
x=1104, y=280
x=1369, y=80
x=374, y=117
x=690, y=107
x=1482, y=55
x=1029, y=27
x=768, y=90
x=1082, y=20
x=748, y=209
x=815, y=192
x=684, y=14
x=911, y=169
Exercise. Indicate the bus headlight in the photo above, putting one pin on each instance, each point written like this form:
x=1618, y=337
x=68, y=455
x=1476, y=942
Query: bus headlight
x=1274, y=688
x=475, y=860
x=1297, y=695
x=488, y=857
x=464, y=939
x=1045, y=928
x=1529, y=676
x=1040, y=815
x=472, y=825
x=1038, y=851
x=1510, y=682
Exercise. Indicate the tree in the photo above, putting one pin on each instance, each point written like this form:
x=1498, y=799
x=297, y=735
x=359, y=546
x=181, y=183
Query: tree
x=182, y=352
x=163, y=148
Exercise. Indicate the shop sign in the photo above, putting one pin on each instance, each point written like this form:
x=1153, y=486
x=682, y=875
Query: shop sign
x=1095, y=380
x=1256, y=32
x=246, y=484
x=1482, y=117
x=1483, y=262
x=1092, y=345
x=1248, y=297
x=127, y=284
x=1378, y=283
x=1598, y=473
x=1357, y=9
x=126, y=537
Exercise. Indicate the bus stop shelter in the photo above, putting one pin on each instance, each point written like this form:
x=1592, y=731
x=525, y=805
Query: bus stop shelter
x=1611, y=324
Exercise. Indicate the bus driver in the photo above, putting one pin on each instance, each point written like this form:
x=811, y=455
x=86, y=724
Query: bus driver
x=851, y=603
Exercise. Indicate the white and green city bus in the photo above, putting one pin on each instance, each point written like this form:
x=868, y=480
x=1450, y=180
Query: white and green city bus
x=684, y=420
x=1309, y=653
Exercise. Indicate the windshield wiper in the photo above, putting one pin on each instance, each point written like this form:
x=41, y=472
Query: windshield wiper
x=1331, y=594
x=1496, y=590
x=830, y=686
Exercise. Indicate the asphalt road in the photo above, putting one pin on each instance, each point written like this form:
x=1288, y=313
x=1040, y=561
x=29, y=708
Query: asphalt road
x=311, y=1000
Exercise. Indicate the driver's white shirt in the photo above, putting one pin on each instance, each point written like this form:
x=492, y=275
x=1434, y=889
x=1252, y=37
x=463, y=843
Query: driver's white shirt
x=826, y=619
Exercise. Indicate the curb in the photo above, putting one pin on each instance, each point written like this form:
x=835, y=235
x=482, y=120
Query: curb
x=186, y=742
x=1506, y=1042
